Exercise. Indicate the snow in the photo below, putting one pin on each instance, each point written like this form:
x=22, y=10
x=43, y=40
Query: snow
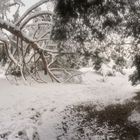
x=36, y=109
x=129, y=71
x=86, y=69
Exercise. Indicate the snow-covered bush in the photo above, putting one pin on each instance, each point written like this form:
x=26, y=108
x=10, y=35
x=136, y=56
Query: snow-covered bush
x=107, y=70
x=97, y=60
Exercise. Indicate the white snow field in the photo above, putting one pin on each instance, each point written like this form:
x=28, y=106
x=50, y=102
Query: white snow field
x=35, y=109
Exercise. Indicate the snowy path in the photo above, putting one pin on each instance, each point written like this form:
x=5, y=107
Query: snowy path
x=21, y=107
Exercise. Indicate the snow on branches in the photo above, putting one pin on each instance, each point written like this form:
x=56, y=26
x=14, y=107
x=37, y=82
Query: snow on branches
x=26, y=41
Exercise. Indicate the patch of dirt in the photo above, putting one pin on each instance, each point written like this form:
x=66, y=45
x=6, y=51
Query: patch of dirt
x=87, y=122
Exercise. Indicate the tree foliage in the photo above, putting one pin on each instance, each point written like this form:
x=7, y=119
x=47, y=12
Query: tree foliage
x=85, y=20
x=97, y=17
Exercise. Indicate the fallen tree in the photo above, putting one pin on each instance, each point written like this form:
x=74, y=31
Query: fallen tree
x=30, y=48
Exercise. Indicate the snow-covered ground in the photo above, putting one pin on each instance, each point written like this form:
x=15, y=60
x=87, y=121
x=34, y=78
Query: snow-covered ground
x=36, y=109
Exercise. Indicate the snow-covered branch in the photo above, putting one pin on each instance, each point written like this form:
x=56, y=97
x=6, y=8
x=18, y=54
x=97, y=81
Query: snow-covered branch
x=30, y=47
x=34, y=16
x=30, y=10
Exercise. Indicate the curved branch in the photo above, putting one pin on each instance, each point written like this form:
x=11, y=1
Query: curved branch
x=15, y=30
x=34, y=16
x=30, y=10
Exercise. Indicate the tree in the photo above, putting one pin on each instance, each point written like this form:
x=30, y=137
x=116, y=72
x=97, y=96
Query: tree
x=97, y=19
x=19, y=59
x=41, y=36
x=96, y=16
x=29, y=46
